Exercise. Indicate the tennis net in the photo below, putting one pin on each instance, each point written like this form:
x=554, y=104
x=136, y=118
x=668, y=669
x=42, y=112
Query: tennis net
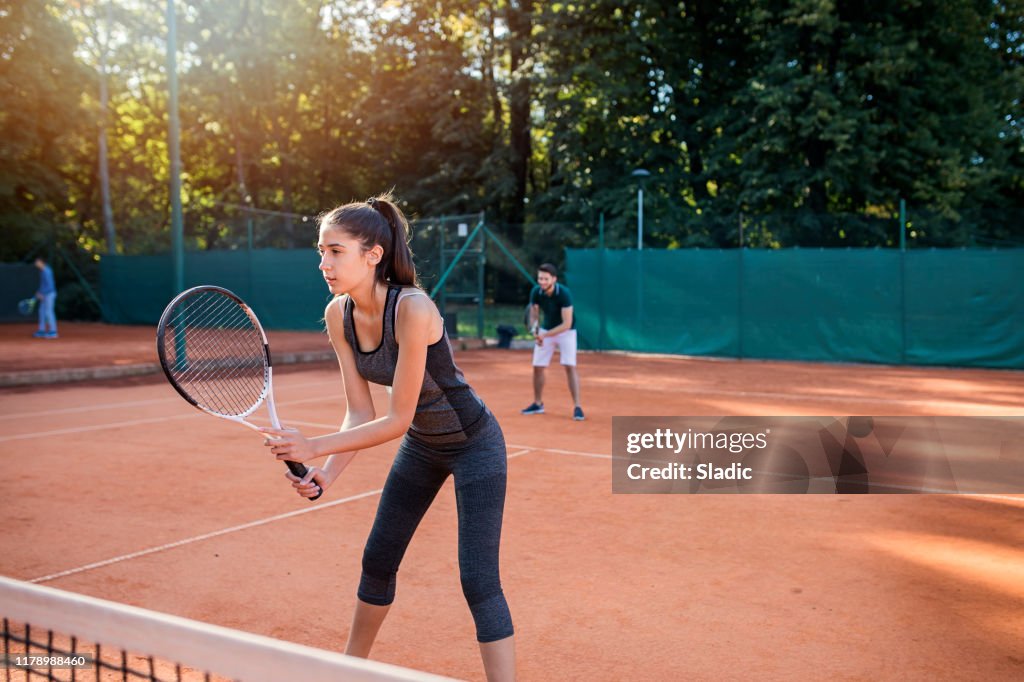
x=50, y=634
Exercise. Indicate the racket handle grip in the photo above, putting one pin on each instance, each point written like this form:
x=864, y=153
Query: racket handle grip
x=300, y=470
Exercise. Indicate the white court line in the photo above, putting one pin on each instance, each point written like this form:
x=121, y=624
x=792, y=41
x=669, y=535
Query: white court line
x=685, y=391
x=524, y=449
x=131, y=422
x=216, y=533
x=1009, y=498
x=520, y=450
x=84, y=408
x=595, y=455
x=135, y=403
x=204, y=536
x=94, y=427
x=825, y=397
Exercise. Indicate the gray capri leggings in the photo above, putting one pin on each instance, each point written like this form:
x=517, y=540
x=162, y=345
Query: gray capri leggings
x=477, y=461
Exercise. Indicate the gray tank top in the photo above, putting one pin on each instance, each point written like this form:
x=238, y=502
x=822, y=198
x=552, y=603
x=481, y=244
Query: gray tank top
x=447, y=405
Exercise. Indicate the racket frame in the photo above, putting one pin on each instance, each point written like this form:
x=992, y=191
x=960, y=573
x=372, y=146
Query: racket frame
x=268, y=369
x=27, y=306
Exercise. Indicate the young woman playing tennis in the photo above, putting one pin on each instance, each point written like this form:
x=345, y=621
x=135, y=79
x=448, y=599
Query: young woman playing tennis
x=387, y=331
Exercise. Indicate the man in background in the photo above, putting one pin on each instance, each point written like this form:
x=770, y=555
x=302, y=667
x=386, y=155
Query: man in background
x=558, y=331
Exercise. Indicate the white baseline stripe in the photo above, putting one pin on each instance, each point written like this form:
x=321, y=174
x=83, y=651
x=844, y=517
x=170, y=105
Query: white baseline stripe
x=694, y=391
x=1008, y=498
x=84, y=408
x=131, y=422
x=217, y=533
x=825, y=397
x=95, y=427
x=204, y=536
x=987, y=496
x=595, y=455
x=136, y=403
x=521, y=450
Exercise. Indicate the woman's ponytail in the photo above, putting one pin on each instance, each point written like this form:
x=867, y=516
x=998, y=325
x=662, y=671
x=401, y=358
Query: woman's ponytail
x=398, y=265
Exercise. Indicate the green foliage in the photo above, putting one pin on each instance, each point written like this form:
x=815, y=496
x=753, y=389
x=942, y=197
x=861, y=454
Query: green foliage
x=42, y=84
x=791, y=121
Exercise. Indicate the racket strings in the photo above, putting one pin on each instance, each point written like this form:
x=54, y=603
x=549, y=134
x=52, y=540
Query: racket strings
x=201, y=341
x=223, y=393
x=206, y=344
x=228, y=392
x=216, y=353
x=223, y=361
x=230, y=384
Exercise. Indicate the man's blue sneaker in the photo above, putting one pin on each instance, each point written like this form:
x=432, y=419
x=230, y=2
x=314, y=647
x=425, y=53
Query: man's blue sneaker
x=534, y=408
x=50, y=335
x=577, y=414
x=40, y=334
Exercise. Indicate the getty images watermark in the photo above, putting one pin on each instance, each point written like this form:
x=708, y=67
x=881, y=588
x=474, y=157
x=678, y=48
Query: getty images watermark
x=825, y=455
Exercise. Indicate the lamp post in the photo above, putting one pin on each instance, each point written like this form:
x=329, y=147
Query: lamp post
x=640, y=174
x=174, y=149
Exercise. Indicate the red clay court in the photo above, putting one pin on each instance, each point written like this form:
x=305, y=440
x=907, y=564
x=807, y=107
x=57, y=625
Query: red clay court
x=118, y=489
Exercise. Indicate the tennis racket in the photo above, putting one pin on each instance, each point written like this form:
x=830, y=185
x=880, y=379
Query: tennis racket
x=215, y=353
x=27, y=306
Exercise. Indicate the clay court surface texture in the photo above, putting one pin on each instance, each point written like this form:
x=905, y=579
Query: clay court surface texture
x=117, y=488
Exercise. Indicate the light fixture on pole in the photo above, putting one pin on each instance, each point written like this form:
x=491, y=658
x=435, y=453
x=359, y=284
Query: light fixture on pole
x=640, y=174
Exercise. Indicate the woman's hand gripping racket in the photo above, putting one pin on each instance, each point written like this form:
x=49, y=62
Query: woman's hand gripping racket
x=215, y=353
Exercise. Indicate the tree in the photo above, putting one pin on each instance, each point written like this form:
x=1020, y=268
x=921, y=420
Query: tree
x=43, y=84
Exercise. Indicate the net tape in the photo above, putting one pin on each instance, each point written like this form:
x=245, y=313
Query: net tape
x=127, y=642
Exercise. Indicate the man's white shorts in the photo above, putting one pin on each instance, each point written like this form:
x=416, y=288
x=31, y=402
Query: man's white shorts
x=564, y=342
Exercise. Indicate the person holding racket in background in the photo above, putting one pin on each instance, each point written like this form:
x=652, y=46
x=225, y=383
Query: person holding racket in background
x=558, y=331
x=387, y=331
x=47, y=295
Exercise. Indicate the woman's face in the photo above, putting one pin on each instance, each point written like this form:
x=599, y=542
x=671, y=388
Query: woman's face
x=343, y=261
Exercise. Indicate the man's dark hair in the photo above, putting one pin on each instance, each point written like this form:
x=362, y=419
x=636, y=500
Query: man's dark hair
x=548, y=268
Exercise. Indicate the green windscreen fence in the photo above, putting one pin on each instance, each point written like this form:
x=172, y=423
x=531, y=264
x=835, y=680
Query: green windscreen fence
x=17, y=281
x=283, y=286
x=928, y=307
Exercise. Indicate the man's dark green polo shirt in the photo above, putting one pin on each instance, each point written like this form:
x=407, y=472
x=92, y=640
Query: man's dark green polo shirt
x=551, y=306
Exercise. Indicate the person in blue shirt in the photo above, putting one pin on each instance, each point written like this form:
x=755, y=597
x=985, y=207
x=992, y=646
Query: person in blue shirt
x=558, y=331
x=47, y=296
